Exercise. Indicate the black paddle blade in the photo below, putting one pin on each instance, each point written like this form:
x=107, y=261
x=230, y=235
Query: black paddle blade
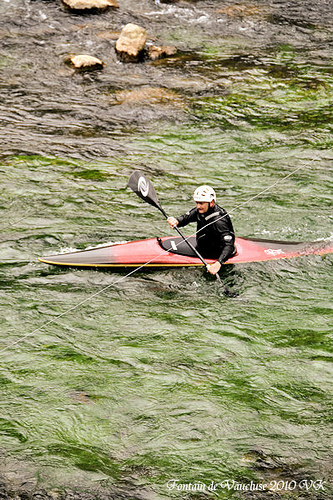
x=144, y=189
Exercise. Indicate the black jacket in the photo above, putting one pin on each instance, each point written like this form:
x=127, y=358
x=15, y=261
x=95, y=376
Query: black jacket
x=215, y=234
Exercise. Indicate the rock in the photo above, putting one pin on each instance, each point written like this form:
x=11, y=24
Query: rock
x=90, y=4
x=149, y=96
x=155, y=53
x=239, y=10
x=84, y=62
x=109, y=35
x=131, y=43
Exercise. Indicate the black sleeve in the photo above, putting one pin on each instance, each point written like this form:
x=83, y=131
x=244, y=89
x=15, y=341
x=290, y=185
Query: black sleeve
x=226, y=236
x=187, y=218
x=227, y=252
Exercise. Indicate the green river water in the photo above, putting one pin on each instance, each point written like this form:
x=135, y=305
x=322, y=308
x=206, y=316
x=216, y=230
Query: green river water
x=155, y=385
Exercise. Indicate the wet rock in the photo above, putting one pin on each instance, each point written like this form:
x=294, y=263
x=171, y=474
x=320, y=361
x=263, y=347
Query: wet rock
x=149, y=96
x=81, y=397
x=155, y=53
x=84, y=62
x=130, y=46
x=94, y=5
x=109, y=35
x=239, y=10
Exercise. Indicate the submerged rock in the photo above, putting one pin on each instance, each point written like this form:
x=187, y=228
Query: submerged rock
x=148, y=96
x=131, y=43
x=109, y=35
x=239, y=10
x=90, y=4
x=155, y=53
x=84, y=62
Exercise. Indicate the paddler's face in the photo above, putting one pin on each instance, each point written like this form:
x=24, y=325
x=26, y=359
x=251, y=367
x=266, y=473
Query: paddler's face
x=202, y=206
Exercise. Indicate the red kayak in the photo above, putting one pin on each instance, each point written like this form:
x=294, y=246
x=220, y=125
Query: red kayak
x=174, y=252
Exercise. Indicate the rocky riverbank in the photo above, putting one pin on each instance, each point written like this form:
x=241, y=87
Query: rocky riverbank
x=214, y=42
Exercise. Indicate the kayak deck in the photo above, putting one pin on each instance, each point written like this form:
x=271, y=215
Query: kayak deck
x=165, y=252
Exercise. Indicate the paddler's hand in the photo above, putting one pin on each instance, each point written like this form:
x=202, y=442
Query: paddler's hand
x=214, y=268
x=173, y=222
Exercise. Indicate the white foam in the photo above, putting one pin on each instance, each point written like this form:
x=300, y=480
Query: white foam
x=101, y=245
x=194, y=16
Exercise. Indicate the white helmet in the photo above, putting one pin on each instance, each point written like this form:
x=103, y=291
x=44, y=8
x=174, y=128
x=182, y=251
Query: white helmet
x=204, y=193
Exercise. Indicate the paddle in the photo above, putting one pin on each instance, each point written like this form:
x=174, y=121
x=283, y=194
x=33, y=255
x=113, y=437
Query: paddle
x=145, y=190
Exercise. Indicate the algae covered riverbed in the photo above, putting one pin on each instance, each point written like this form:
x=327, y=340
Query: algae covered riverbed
x=156, y=385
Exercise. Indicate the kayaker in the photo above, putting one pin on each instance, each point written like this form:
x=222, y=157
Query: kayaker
x=215, y=234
